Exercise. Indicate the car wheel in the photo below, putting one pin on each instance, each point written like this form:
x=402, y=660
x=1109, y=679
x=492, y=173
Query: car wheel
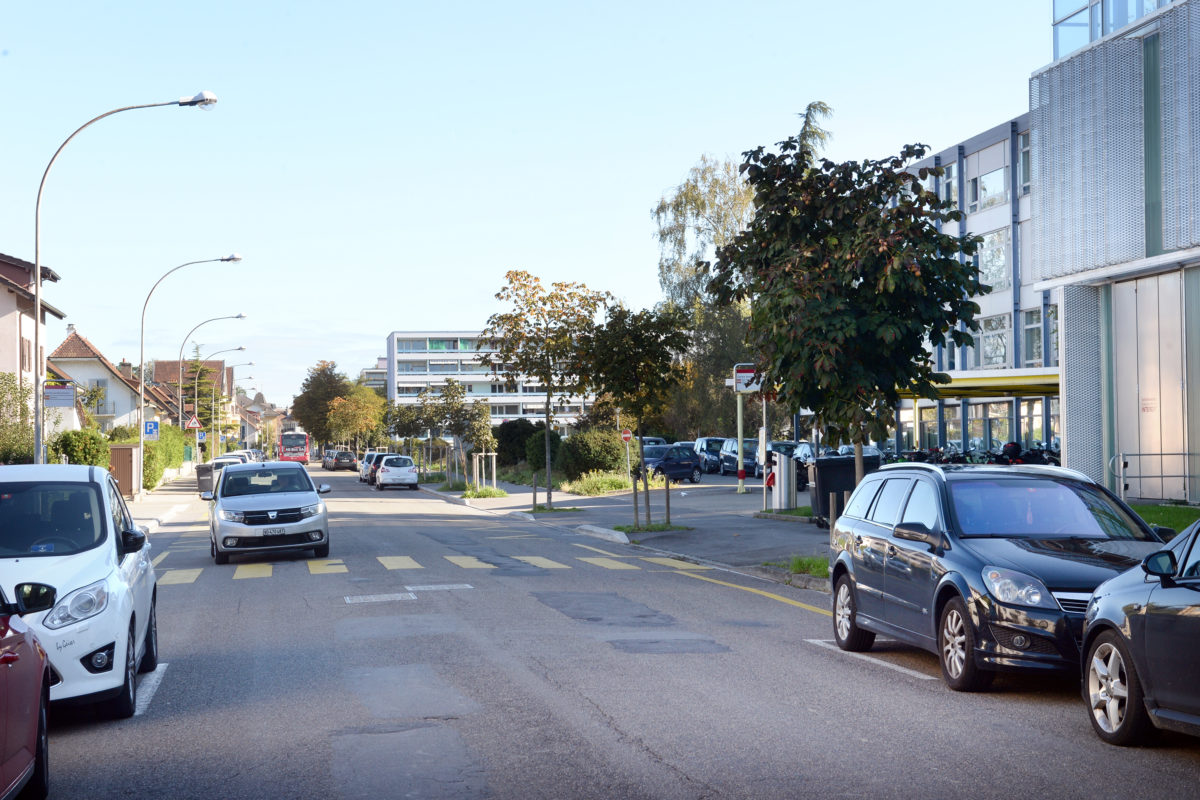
x=695, y=475
x=124, y=704
x=414, y=487
x=39, y=782
x=956, y=650
x=1114, y=693
x=757, y=471
x=321, y=550
x=218, y=556
x=845, y=630
x=149, y=661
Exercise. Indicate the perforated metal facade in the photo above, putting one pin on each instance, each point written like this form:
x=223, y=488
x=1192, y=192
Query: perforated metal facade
x=1179, y=31
x=1082, y=381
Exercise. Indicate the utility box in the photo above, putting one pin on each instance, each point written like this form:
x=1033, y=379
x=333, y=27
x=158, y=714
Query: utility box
x=784, y=496
x=833, y=474
x=204, y=477
x=126, y=468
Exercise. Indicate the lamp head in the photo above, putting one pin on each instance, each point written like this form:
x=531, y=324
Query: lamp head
x=240, y=316
x=233, y=257
x=202, y=99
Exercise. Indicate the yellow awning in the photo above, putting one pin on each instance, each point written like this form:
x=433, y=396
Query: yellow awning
x=998, y=383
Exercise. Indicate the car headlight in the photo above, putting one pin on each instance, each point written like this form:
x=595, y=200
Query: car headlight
x=310, y=511
x=78, y=606
x=1016, y=588
x=233, y=516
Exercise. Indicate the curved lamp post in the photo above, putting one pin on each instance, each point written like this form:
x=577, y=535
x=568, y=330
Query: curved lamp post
x=202, y=99
x=179, y=383
x=196, y=393
x=142, y=353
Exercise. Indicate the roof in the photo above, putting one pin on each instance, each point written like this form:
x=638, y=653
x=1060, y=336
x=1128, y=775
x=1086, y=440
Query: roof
x=78, y=348
x=47, y=273
x=18, y=289
x=999, y=383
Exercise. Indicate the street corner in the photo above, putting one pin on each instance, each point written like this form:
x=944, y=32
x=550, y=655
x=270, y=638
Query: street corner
x=608, y=534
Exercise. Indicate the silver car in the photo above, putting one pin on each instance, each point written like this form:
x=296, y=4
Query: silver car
x=266, y=507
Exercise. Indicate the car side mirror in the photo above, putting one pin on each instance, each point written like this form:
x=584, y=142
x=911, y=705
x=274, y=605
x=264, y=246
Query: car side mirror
x=33, y=597
x=917, y=532
x=132, y=540
x=324, y=488
x=1160, y=565
x=206, y=495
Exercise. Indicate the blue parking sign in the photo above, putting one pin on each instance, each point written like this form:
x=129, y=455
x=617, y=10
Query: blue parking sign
x=200, y=436
x=151, y=430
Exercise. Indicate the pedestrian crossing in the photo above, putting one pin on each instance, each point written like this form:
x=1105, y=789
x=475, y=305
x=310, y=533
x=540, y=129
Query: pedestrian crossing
x=252, y=570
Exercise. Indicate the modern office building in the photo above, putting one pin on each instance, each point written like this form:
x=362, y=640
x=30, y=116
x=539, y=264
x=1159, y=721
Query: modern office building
x=417, y=360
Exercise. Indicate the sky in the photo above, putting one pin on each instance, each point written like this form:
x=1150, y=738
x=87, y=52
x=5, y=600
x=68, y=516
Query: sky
x=380, y=165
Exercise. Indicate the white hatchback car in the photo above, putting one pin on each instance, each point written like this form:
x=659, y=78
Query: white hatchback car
x=396, y=471
x=69, y=527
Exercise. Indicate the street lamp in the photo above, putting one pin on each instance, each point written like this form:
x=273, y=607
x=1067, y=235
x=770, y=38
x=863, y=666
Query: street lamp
x=202, y=99
x=179, y=384
x=196, y=392
x=142, y=354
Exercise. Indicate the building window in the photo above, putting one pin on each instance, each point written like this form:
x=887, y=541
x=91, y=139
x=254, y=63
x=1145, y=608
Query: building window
x=26, y=355
x=1031, y=340
x=994, y=336
x=987, y=190
x=444, y=368
x=993, y=260
x=440, y=345
x=408, y=391
x=1026, y=163
x=410, y=345
x=412, y=366
x=950, y=185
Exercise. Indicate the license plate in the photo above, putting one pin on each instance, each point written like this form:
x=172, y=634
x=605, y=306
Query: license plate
x=273, y=531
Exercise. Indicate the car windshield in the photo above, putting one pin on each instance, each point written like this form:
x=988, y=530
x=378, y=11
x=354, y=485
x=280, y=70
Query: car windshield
x=49, y=519
x=654, y=450
x=1040, y=507
x=265, y=481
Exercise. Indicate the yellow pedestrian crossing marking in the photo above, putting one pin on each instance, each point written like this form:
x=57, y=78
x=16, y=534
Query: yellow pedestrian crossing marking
x=161, y=556
x=674, y=563
x=538, y=561
x=399, y=562
x=252, y=571
x=609, y=563
x=330, y=567
x=601, y=552
x=173, y=576
x=469, y=562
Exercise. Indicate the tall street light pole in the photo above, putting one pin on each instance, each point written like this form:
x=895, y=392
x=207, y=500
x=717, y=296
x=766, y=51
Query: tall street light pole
x=202, y=99
x=179, y=384
x=142, y=355
x=196, y=393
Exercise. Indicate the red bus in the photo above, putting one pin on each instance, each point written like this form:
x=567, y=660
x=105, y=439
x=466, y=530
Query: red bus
x=293, y=446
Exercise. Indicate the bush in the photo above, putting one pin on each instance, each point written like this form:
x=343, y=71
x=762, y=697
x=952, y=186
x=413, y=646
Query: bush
x=594, y=484
x=474, y=491
x=87, y=446
x=152, y=465
x=593, y=450
x=535, y=449
x=510, y=441
x=123, y=434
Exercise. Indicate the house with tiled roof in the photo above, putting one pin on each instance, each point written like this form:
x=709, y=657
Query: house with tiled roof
x=17, y=317
x=87, y=365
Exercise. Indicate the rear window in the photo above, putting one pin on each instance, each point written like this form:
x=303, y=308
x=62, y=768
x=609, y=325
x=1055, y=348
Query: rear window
x=713, y=445
x=398, y=461
x=860, y=501
x=49, y=519
x=887, y=506
x=1040, y=507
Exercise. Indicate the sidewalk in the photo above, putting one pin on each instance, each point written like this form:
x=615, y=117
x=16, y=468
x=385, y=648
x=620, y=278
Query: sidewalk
x=159, y=508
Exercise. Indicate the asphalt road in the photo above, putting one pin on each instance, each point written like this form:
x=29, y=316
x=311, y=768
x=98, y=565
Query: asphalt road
x=448, y=652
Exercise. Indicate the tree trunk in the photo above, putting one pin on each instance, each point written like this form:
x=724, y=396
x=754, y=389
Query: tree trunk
x=549, y=476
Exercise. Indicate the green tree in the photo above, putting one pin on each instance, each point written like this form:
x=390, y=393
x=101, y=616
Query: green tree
x=16, y=420
x=536, y=339
x=633, y=358
x=356, y=415
x=851, y=277
x=87, y=446
x=311, y=406
x=510, y=440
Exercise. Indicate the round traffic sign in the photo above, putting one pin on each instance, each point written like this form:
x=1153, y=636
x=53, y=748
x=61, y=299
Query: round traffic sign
x=626, y=435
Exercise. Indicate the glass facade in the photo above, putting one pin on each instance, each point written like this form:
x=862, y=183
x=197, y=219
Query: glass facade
x=1077, y=23
x=993, y=260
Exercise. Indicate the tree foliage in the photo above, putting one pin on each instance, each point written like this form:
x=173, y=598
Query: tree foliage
x=536, y=338
x=355, y=415
x=850, y=277
x=510, y=441
x=592, y=450
x=311, y=406
x=87, y=446
x=16, y=420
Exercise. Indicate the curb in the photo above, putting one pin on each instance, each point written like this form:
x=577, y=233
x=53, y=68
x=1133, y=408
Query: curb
x=784, y=517
x=603, y=533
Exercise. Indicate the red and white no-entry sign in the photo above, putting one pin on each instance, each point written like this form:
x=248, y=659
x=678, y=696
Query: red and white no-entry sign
x=626, y=435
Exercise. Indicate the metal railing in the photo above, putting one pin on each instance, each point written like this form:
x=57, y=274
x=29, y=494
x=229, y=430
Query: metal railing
x=1121, y=466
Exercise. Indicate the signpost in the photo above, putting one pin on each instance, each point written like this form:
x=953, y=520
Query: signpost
x=193, y=424
x=200, y=435
x=150, y=432
x=626, y=436
x=58, y=394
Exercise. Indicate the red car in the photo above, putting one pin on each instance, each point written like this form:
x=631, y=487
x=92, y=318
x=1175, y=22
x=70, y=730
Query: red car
x=24, y=761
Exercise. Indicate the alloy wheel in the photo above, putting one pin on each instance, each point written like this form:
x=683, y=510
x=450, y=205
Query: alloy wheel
x=843, y=610
x=954, y=643
x=1108, y=692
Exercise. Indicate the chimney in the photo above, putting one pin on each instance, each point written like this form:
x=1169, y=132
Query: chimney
x=126, y=369
x=70, y=328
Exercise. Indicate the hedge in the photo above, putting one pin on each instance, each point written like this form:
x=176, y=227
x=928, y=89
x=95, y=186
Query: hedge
x=595, y=450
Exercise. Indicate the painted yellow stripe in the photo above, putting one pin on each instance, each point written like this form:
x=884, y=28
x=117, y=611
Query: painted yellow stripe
x=326, y=567
x=469, y=562
x=172, y=576
x=780, y=598
x=609, y=563
x=538, y=561
x=399, y=562
x=519, y=536
x=161, y=556
x=675, y=563
x=601, y=552
x=252, y=571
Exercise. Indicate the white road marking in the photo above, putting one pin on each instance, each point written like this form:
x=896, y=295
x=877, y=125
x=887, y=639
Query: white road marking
x=380, y=598
x=147, y=686
x=443, y=587
x=910, y=672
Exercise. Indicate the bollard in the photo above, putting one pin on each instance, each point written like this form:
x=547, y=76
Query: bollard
x=667, y=495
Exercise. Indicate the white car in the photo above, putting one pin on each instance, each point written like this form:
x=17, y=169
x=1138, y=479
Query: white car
x=68, y=526
x=396, y=471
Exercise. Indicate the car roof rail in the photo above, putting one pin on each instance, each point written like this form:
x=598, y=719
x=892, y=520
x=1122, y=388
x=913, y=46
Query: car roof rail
x=935, y=469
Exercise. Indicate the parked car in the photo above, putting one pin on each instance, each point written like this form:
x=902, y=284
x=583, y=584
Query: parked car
x=221, y=462
x=25, y=691
x=344, y=459
x=1141, y=671
x=673, y=460
x=649, y=440
x=396, y=470
x=266, y=507
x=368, y=461
x=327, y=458
x=989, y=567
x=66, y=525
x=709, y=450
x=729, y=456
x=868, y=450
